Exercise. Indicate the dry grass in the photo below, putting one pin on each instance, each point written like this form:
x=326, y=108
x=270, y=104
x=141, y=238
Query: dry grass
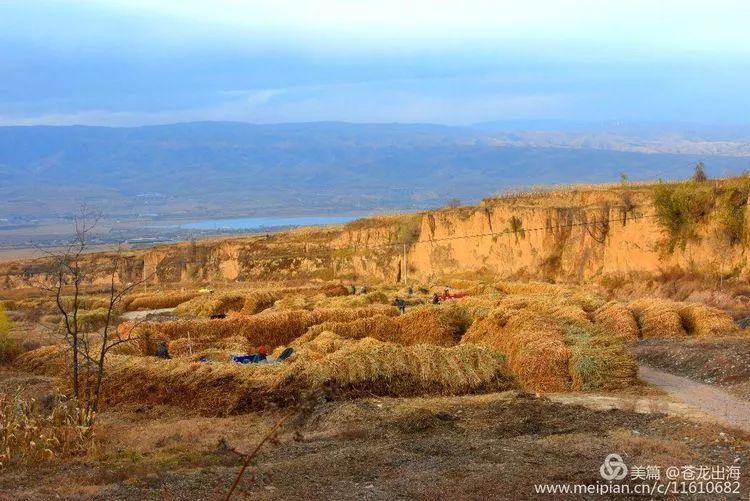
x=534, y=344
x=30, y=436
x=156, y=300
x=257, y=301
x=380, y=327
x=616, y=319
x=657, y=318
x=701, y=320
x=270, y=328
x=346, y=368
x=559, y=309
x=599, y=361
x=205, y=305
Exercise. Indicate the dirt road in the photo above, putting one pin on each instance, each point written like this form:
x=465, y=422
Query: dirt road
x=710, y=400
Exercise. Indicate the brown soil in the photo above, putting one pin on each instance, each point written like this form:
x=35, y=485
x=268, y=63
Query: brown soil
x=494, y=446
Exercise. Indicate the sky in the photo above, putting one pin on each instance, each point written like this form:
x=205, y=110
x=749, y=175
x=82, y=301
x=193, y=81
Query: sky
x=139, y=62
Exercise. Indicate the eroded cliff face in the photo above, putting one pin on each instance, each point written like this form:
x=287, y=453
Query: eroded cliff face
x=571, y=236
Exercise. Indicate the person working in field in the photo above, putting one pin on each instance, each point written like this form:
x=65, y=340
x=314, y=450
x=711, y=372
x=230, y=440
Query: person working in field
x=435, y=298
x=400, y=304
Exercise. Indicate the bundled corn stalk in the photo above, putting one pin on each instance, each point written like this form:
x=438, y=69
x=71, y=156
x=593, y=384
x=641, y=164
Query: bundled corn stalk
x=534, y=344
x=616, y=319
x=88, y=321
x=702, y=320
x=657, y=317
x=206, y=305
x=346, y=368
x=440, y=326
x=599, y=361
x=156, y=300
x=570, y=296
x=554, y=308
x=257, y=301
x=270, y=328
x=380, y=327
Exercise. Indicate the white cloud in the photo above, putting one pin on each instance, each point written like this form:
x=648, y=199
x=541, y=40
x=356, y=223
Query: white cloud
x=668, y=24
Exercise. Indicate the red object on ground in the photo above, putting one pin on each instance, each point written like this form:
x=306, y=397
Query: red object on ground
x=262, y=349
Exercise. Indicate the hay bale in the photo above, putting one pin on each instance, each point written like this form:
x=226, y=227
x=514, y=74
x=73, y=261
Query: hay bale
x=270, y=328
x=599, y=361
x=156, y=300
x=616, y=319
x=554, y=308
x=346, y=368
x=657, y=317
x=433, y=325
x=257, y=301
x=88, y=321
x=702, y=320
x=205, y=305
x=380, y=327
x=534, y=344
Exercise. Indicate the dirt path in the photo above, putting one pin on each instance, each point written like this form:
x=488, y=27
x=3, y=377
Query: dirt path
x=710, y=400
x=684, y=398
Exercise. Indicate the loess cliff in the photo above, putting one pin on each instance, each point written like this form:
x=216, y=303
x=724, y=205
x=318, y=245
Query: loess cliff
x=577, y=234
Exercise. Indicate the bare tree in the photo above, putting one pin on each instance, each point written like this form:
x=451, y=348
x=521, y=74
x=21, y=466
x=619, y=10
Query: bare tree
x=68, y=271
x=699, y=173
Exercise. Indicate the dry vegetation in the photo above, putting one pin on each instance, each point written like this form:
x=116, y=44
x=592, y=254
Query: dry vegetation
x=553, y=338
x=31, y=434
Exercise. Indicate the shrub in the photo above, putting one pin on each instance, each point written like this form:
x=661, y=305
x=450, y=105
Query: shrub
x=680, y=208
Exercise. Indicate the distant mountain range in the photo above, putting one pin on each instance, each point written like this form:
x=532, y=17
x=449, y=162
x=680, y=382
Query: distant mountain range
x=238, y=169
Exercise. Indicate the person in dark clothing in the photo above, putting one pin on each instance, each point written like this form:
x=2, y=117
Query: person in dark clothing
x=354, y=290
x=400, y=304
x=162, y=351
x=410, y=291
x=435, y=298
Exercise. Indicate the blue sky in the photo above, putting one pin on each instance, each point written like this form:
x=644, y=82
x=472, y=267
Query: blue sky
x=133, y=62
